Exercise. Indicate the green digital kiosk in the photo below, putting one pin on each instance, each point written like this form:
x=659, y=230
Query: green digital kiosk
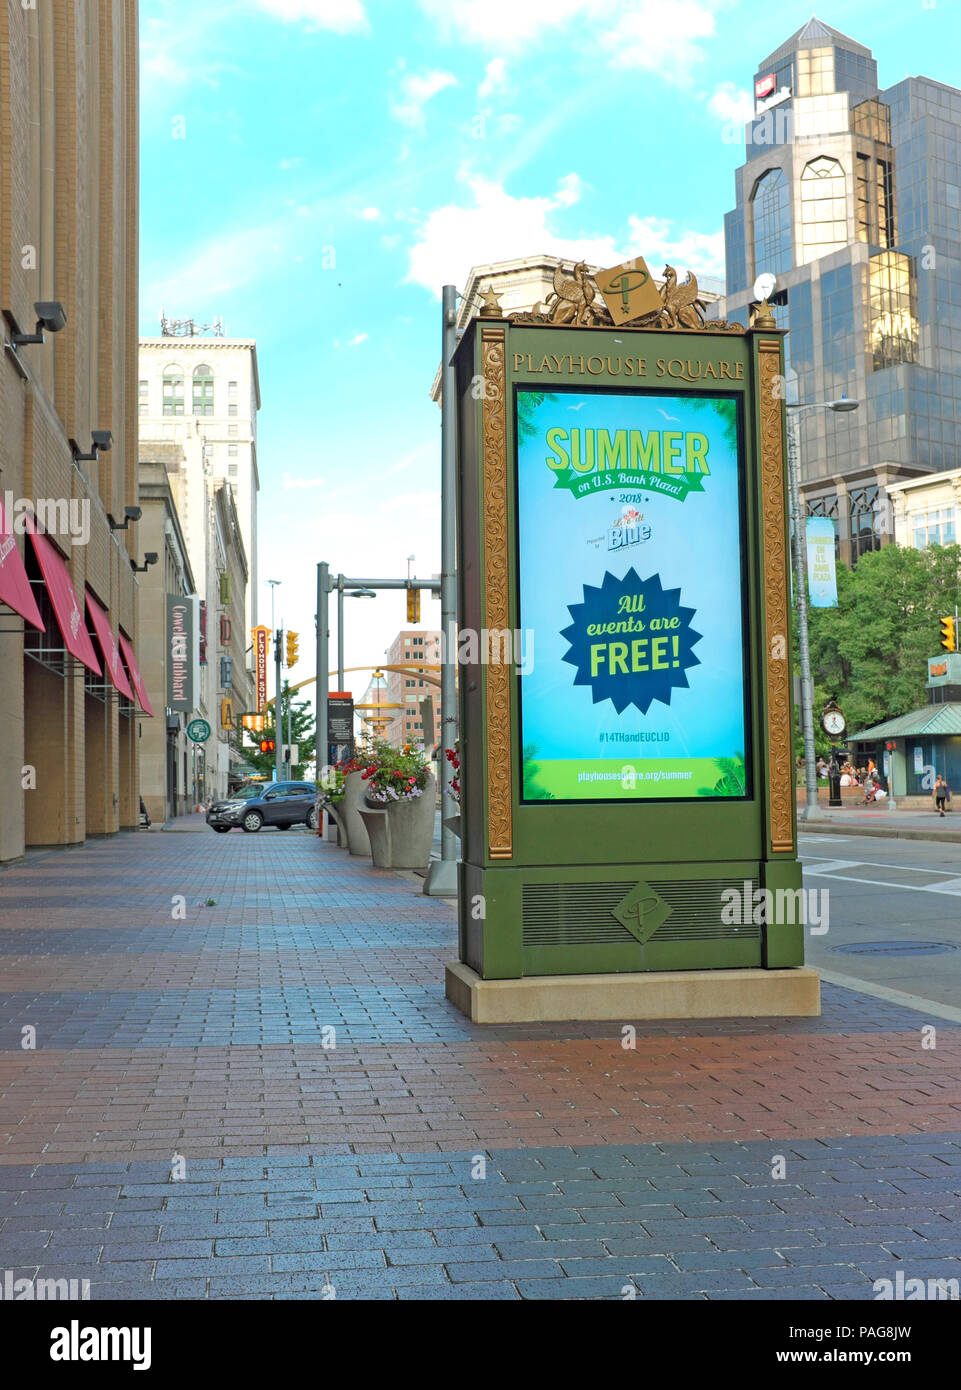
x=628, y=807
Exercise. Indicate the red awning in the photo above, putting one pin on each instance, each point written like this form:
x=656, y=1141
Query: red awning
x=15, y=588
x=136, y=679
x=108, y=645
x=67, y=610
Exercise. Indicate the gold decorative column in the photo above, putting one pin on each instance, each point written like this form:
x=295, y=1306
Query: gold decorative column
x=777, y=626
x=496, y=606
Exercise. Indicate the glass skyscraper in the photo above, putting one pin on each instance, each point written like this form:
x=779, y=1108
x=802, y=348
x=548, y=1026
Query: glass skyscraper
x=851, y=196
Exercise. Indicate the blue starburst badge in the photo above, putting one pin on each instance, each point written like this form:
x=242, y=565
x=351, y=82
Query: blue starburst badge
x=631, y=641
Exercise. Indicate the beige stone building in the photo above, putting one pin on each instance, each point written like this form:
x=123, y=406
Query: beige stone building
x=927, y=511
x=413, y=648
x=68, y=238
x=169, y=769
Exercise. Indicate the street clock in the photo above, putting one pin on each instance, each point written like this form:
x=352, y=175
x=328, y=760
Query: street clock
x=833, y=722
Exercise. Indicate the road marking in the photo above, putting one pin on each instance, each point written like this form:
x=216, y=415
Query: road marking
x=950, y=888
x=828, y=866
x=892, y=996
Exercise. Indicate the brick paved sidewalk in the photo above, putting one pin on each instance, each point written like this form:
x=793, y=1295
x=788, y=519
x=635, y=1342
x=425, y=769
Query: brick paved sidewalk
x=289, y=1050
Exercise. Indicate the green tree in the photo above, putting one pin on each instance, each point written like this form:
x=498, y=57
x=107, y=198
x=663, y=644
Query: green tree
x=870, y=651
x=303, y=727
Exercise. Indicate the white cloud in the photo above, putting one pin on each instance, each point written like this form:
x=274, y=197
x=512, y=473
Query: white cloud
x=569, y=190
x=499, y=226
x=731, y=104
x=369, y=214
x=293, y=162
x=499, y=22
x=451, y=238
x=288, y=481
x=416, y=90
x=495, y=79
x=353, y=342
x=660, y=242
x=340, y=16
x=660, y=36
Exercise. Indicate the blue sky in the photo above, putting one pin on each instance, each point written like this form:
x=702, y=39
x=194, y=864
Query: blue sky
x=314, y=171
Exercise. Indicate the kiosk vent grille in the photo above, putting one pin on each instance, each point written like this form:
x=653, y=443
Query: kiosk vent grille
x=573, y=914
x=582, y=914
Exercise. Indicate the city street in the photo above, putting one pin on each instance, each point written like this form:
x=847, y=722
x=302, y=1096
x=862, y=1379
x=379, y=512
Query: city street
x=894, y=914
x=245, y=1081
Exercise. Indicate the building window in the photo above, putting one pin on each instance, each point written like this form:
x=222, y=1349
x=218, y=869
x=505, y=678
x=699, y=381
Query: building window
x=823, y=209
x=232, y=431
x=144, y=389
x=815, y=72
x=231, y=390
x=865, y=535
x=884, y=202
x=203, y=401
x=772, y=223
x=173, y=390
x=934, y=527
x=232, y=451
x=231, y=409
x=231, y=470
x=143, y=409
x=894, y=324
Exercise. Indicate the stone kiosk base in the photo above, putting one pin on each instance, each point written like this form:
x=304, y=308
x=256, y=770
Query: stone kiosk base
x=794, y=993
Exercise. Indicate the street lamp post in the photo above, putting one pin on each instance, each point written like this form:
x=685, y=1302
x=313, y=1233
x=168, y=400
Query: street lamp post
x=278, y=712
x=811, y=810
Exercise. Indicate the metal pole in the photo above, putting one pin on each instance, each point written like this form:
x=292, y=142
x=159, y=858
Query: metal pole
x=442, y=875
x=290, y=756
x=278, y=714
x=811, y=811
x=323, y=665
x=340, y=632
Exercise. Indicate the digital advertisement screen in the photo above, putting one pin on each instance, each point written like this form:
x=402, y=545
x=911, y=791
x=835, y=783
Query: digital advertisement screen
x=631, y=597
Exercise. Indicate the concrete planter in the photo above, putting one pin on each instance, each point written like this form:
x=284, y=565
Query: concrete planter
x=349, y=814
x=334, y=831
x=401, y=833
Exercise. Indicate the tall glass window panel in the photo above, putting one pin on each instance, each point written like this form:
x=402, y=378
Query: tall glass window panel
x=865, y=523
x=772, y=223
x=894, y=324
x=862, y=198
x=823, y=209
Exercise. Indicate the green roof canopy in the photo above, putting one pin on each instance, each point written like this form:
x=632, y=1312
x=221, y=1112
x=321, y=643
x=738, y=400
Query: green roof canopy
x=932, y=720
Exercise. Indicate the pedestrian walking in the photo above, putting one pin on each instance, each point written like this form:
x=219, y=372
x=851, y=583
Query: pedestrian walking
x=942, y=795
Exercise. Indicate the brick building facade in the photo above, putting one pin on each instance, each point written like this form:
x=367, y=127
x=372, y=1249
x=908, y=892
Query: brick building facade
x=68, y=233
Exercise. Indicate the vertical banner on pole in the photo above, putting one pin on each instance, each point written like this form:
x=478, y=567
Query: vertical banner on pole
x=822, y=576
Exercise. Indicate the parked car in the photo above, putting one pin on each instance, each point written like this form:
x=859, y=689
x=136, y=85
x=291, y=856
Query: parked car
x=255, y=804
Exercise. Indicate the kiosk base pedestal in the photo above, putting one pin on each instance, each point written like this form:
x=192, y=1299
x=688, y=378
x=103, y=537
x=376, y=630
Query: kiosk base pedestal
x=794, y=993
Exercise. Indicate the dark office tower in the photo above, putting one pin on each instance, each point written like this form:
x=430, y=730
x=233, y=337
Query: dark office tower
x=851, y=196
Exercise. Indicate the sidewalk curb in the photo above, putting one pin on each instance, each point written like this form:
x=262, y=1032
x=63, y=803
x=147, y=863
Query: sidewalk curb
x=894, y=832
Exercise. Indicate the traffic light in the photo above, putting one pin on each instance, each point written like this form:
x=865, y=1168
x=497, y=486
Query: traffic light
x=413, y=605
x=947, y=634
x=267, y=745
x=293, y=642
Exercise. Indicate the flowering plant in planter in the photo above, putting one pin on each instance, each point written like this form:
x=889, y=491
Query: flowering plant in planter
x=395, y=774
x=330, y=788
x=453, y=757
